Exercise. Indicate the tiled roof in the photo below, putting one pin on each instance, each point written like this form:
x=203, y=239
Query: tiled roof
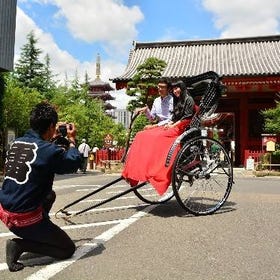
x=255, y=56
x=99, y=83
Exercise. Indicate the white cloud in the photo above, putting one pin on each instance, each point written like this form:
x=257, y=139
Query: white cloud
x=118, y=32
x=60, y=59
x=245, y=18
x=107, y=21
x=62, y=63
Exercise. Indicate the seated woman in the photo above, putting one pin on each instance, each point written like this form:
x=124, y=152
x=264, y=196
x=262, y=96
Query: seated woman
x=147, y=155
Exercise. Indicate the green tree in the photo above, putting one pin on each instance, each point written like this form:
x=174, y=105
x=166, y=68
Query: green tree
x=138, y=125
x=74, y=105
x=272, y=119
x=29, y=70
x=32, y=81
x=18, y=103
x=145, y=79
x=48, y=80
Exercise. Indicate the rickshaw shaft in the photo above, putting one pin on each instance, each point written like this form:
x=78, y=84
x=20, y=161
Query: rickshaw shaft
x=111, y=198
x=92, y=193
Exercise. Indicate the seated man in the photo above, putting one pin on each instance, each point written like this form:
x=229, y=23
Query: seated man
x=161, y=111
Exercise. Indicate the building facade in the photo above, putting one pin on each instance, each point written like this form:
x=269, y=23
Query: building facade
x=7, y=42
x=122, y=116
x=7, y=34
x=250, y=68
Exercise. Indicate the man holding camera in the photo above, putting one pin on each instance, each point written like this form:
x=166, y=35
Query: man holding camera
x=26, y=196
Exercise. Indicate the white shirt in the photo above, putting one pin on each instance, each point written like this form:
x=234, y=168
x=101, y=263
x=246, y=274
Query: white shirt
x=162, y=108
x=84, y=149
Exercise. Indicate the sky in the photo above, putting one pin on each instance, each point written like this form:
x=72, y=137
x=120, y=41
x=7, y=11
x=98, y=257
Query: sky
x=74, y=32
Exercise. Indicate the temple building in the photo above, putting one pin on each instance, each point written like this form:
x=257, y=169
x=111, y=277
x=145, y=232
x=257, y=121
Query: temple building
x=249, y=67
x=101, y=90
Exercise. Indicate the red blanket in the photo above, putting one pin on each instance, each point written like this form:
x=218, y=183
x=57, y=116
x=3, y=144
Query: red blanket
x=147, y=155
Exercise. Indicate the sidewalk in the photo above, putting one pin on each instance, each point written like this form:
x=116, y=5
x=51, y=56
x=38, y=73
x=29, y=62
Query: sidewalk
x=242, y=172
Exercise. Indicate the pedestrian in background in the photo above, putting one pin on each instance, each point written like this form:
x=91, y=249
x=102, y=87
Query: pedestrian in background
x=95, y=150
x=84, y=150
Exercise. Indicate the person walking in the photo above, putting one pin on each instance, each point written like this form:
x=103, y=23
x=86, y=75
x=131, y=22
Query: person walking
x=26, y=196
x=84, y=150
x=95, y=150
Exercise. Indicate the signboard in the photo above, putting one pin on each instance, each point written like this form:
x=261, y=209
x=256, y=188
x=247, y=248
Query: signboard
x=269, y=141
x=270, y=146
x=250, y=164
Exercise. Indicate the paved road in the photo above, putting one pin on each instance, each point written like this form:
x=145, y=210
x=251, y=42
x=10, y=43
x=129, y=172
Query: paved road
x=128, y=240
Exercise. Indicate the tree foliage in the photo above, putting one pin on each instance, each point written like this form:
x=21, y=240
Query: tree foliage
x=18, y=103
x=138, y=125
x=272, y=119
x=74, y=105
x=29, y=70
x=32, y=81
x=145, y=79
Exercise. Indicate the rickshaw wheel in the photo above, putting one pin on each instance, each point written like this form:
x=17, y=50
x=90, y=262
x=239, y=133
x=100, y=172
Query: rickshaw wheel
x=202, y=176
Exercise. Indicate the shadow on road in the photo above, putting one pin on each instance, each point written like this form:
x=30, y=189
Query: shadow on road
x=172, y=208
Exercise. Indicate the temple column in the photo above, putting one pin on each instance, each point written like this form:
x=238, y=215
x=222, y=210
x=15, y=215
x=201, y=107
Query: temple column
x=243, y=126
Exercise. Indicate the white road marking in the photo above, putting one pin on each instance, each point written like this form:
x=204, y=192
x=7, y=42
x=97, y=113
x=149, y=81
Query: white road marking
x=7, y=234
x=89, y=187
x=52, y=269
x=116, y=192
x=3, y=266
x=106, y=209
x=120, y=198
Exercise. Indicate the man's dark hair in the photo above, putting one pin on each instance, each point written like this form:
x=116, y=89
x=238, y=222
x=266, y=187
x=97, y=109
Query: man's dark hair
x=163, y=80
x=42, y=116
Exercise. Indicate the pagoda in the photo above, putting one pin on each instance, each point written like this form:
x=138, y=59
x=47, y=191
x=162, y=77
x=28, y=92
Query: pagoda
x=100, y=89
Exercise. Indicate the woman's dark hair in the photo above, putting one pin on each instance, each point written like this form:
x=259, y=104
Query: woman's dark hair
x=179, y=102
x=179, y=84
x=42, y=116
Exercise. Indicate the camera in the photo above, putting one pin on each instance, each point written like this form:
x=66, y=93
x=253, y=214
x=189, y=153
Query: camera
x=62, y=129
x=61, y=139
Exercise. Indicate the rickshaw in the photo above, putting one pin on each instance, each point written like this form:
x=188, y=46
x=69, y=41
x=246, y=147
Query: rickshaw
x=202, y=173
